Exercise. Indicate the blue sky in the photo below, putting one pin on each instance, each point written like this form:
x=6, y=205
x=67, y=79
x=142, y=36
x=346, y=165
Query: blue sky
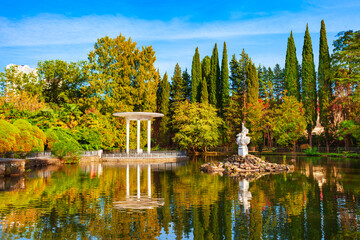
x=67, y=30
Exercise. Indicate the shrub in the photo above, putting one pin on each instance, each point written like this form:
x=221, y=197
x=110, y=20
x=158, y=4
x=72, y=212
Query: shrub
x=89, y=139
x=311, y=151
x=31, y=137
x=9, y=136
x=63, y=145
x=304, y=146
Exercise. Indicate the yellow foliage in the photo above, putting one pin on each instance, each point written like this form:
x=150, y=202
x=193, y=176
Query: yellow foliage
x=23, y=101
x=9, y=135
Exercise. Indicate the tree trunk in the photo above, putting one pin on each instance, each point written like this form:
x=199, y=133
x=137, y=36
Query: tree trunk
x=346, y=144
x=264, y=137
x=327, y=144
x=294, y=147
x=310, y=138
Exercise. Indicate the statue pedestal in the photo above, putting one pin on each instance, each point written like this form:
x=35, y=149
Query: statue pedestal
x=243, y=151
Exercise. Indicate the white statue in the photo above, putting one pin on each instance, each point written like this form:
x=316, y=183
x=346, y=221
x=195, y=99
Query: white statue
x=243, y=141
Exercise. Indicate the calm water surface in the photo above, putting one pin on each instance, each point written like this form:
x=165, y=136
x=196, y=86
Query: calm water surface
x=320, y=200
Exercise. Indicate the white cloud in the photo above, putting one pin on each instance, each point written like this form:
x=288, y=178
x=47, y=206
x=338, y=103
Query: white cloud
x=47, y=36
x=56, y=29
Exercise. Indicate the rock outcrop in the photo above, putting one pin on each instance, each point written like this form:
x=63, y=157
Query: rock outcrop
x=248, y=166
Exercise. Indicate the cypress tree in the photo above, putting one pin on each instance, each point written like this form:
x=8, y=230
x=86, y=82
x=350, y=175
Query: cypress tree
x=252, y=83
x=214, y=76
x=178, y=86
x=206, y=68
x=204, y=96
x=187, y=79
x=235, y=77
x=292, y=81
x=244, y=74
x=325, y=90
x=163, y=107
x=308, y=77
x=224, y=88
x=195, y=77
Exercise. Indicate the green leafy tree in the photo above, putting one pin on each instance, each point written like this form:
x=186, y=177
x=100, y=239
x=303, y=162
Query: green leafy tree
x=224, y=88
x=348, y=131
x=214, y=76
x=61, y=82
x=178, y=85
x=122, y=77
x=70, y=115
x=308, y=76
x=254, y=121
x=233, y=118
x=196, y=126
x=345, y=65
x=14, y=81
x=289, y=122
x=292, y=82
x=346, y=57
x=196, y=77
x=325, y=84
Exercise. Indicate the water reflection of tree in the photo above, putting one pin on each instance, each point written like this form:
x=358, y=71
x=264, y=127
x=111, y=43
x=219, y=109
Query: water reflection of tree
x=70, y=204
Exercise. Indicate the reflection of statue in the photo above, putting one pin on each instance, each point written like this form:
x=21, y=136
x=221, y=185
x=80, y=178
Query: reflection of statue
x=244, y=194
x=243, y=141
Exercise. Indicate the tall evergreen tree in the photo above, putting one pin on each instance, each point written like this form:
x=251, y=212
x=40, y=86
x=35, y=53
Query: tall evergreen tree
x=262, y=83
x=235, y=75
x=325, y=90
x=178, y=86
x=195, y=77
x=244, y=75
x=292, y=81
x=206, y=69
x=252, y=83
x=278, y=82
x=204, y=96
x=214, y=76
x=224, y=88
x=308, y=78
x=187, y=78
x=164, y=95
x=163, y=107
x=268, y=76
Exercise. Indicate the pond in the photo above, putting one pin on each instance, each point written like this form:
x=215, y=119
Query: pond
x=319, y=200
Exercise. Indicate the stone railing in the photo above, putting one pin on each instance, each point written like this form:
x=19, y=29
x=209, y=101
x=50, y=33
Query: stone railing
x=154, y=154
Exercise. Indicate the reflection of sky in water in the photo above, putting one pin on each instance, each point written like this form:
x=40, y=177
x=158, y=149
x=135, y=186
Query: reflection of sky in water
x=319, y=200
